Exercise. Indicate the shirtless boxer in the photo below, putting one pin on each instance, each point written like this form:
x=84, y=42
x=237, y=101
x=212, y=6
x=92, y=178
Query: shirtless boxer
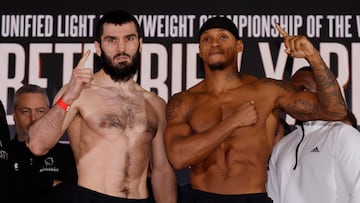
x=115, y=127
x=224, y=126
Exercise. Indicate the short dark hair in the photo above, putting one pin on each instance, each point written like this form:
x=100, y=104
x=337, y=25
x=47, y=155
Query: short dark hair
x=117, y=17
x=29, y=88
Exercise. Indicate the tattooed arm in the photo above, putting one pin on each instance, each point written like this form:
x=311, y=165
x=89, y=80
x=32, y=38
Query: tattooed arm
x=328, y=90
x=329, y=103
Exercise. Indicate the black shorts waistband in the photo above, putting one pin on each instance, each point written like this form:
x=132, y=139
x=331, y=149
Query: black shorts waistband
x=199, y=196
x=94, y=195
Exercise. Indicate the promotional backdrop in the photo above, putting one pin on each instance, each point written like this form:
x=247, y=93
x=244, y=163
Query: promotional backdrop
x=41, y=42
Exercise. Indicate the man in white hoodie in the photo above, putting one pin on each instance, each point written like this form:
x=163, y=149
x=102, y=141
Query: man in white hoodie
x=319, y=162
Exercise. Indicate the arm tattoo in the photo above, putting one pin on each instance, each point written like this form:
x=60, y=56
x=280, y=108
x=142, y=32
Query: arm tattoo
x=328, y=89
x=302, y=108
x=324, y=77
x=285, y=85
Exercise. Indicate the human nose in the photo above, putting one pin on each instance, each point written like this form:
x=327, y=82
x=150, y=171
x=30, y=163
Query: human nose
x=120, y=46
x=34, y=116
x=215, y=43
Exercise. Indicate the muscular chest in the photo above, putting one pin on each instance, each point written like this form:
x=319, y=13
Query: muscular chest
x=118, y=111
x=209, y=112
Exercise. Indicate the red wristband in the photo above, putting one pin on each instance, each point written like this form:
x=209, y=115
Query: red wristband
x=63, y=105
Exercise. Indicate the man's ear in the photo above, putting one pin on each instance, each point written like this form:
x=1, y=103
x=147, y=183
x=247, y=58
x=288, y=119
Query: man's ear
x=239, y=46
x=140, y=44
x=97, y=48
x=14, y=117
x=199, y=51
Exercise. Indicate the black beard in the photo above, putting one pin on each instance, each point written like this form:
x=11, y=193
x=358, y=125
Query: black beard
x=123, y=71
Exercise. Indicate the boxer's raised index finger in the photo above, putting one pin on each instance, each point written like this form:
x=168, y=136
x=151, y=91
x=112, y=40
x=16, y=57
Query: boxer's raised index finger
x=83, y=59
x=282, y=31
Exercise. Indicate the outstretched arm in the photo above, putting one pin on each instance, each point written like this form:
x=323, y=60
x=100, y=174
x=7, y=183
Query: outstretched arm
x=186, y=147
x=46, y=131
x=331, y=103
